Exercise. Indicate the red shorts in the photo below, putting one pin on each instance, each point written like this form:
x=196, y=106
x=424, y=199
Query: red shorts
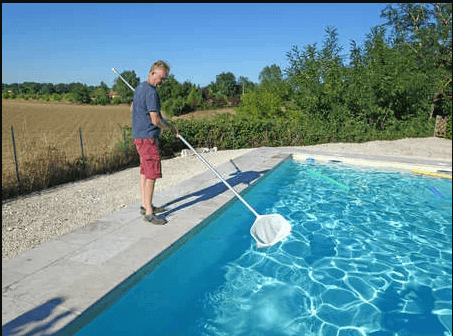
x=149, y=158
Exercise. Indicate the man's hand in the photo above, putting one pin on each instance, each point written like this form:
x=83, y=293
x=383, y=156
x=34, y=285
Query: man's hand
x=162, y=123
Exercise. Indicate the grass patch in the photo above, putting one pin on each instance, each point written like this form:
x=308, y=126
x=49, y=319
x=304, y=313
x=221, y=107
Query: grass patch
x=52, y=168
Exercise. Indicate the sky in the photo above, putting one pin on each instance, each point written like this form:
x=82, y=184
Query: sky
x=81, y=42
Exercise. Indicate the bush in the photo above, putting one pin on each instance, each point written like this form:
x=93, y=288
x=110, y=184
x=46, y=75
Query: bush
x=260, y=105
x=55, y=97
x=116, y=100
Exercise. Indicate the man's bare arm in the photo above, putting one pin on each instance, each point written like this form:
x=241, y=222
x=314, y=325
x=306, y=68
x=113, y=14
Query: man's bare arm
x=156, y=120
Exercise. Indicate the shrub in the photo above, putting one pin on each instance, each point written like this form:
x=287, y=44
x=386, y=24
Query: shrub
x=55, y=97
x=116, y=100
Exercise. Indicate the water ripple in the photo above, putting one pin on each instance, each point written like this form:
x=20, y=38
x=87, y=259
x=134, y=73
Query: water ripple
x=372, y=261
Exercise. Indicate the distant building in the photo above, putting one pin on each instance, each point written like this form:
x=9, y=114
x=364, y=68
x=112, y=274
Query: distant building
x=113, y=94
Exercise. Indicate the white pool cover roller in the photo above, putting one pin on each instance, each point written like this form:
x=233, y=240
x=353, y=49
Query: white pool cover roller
x=267, y=230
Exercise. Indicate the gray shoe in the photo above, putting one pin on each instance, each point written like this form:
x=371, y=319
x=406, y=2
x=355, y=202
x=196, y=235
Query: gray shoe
x=156, y=210
x=153, y=219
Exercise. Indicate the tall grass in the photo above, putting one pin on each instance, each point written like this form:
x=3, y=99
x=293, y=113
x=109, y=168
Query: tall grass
x=51, y=167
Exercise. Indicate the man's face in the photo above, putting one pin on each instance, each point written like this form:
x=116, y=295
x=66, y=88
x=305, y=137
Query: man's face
x=158, y=76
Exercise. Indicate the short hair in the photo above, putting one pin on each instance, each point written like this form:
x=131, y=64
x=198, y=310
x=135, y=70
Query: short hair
x=160, y=64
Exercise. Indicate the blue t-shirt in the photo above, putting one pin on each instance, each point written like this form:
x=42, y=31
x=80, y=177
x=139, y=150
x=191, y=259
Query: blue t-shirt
x=146, y=99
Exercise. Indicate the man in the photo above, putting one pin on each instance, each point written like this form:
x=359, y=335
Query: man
x=147, y=123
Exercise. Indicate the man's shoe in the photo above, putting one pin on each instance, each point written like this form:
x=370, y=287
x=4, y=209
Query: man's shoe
x=153, y=219
x=156, y=210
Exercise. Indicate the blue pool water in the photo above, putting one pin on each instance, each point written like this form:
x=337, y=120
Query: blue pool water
x=372, y=260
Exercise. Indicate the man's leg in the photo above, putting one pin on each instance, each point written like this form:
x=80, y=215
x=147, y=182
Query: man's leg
x=148, y=191
x=142, y=189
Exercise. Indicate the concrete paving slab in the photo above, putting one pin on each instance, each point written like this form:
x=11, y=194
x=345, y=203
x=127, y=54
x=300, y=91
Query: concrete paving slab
x=47, y=287
x=44, y=319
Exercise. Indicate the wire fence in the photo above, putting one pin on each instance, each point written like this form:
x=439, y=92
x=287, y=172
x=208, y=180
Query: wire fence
x=33, y=153
x=19, y=148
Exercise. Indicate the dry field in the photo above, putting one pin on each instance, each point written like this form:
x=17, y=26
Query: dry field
x=40, y=126
x=209, y=114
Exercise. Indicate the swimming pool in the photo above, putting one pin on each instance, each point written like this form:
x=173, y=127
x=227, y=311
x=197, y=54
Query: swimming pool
x=371, y=260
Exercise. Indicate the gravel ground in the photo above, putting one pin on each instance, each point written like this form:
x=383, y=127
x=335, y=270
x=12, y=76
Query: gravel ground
x=30, y=221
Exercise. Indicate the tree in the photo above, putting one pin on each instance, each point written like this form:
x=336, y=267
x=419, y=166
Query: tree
x=100, y=94
x=29, y=88
x=270, y=74
x=47, y=88
x=123, y=90
x=169, y=89
x=104, y=88
x=194, y=98
x=272, y=81
x=226, y=84
x=61, y=88
x=424, y=31
x=317, y=77
x=245, y=85
x=81, y=93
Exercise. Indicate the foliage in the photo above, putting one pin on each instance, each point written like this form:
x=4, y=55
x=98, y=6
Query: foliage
x=449, y=131
x=245, y=85
x=384, y=83
x=266, y=104
x=178, y=98
x=423, y=31
x=81, y=94
x=100, y=95
x=225, y=84
x=123, y=90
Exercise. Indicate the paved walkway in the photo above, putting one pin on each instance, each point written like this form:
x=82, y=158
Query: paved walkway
x=49, y=286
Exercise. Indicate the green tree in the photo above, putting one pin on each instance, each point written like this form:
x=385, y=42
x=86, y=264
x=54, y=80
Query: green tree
x=270, y=74
x=194, y=98
x=29, y=88
x=245, y=85
x=423, y=30
x=317, y=77
x=123, y=90
x=271, y=80
x=169, y=89
x=226, y=85
x=61, y=88
x=104, y=87
x=100, y=94
x=81, y=93
x=47, y=88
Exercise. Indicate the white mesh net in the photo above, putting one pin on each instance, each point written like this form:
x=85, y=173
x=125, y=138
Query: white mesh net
x=270, y=229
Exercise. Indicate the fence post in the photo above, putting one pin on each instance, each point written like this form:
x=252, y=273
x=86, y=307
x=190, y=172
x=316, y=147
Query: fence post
x=15, y=156
x=125, y=141
x=440, y=129
x=81, y=145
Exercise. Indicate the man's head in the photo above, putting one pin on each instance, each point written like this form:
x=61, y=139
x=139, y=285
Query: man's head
x=158, y=73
